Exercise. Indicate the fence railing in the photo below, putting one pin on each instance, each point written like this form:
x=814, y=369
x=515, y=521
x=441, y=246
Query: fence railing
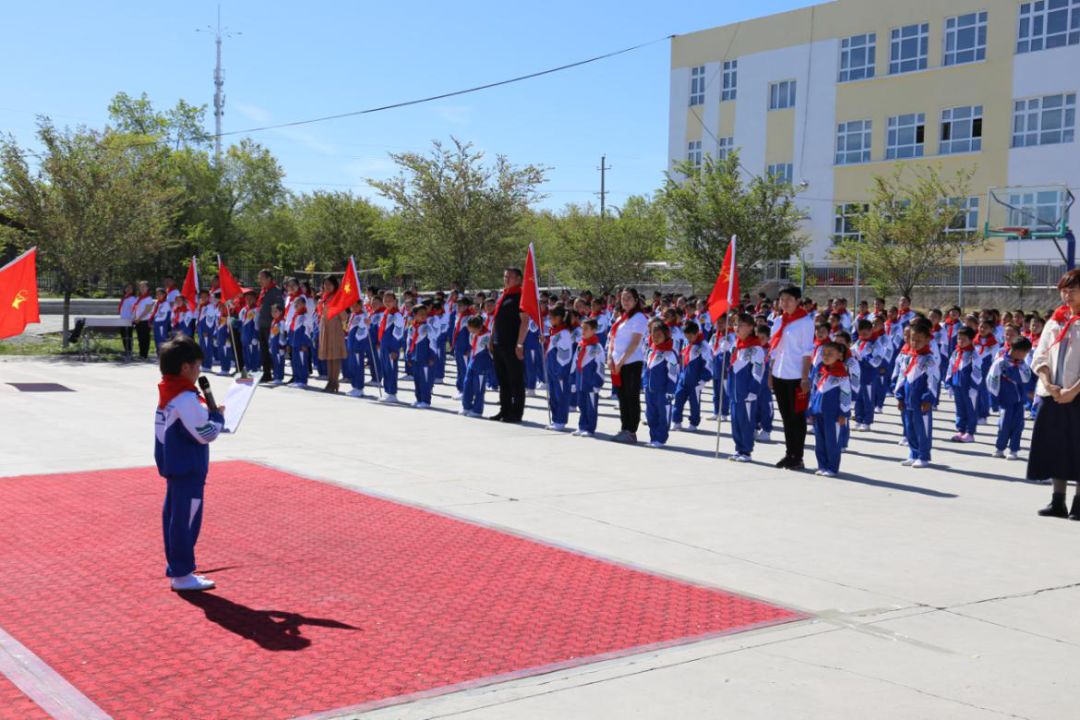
x=1031, y=274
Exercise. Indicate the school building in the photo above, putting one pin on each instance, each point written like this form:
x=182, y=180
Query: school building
x=832, y=95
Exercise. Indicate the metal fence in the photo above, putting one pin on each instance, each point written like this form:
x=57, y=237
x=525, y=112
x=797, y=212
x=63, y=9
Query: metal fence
x=1031, y=274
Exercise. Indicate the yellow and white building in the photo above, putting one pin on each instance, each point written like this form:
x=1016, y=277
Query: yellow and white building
x=837, y=93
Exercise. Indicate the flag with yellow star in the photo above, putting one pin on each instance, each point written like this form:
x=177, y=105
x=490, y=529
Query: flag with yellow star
x=348, y=293
x=18, y=294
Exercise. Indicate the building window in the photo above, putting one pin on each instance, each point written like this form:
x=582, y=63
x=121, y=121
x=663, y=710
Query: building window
x=1044, y=121
x=853, y=142
x=858, y=54
x=784, y=172
x=693, y=153
x=968, y=220
x=965, y=39
x=1048, y=24
x=731, y=77
x=844, y=221
x=724, y=146
x=961, y=130
x=697, y=86
x=782, y=95
x=910, y=48
x=906, y=136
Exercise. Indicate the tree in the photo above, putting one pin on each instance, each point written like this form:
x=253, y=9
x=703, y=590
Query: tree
x=1020, y=278
x=95, y=201
x=334, y=225
x=706, y=205
x=910, y=228
x=182, y=126
x=458, y=216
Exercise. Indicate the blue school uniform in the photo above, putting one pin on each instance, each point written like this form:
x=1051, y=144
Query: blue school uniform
x=205, y=328
x=765, y=400
x=1008, y=381
x=745, y=378
x=249, y=338
x=965, y=378
x=358, y=348
x=918, y=385
x=985, y=349
x=390, y=335
x=560, y=353
x=300, y=346
x=661, y=375
x=423, y=354
x=162, y=319
x=830, y=400
x=534, y=356
x=460, y=342
x=588, y=379
x=855, y=378
x=223, y=344
x=695, y=372
x=437, y=322
x=867, y=352
x=720, y=359
x=277, y=351
x=479, y=367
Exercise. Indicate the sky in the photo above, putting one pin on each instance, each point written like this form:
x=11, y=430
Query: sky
x=289, y=61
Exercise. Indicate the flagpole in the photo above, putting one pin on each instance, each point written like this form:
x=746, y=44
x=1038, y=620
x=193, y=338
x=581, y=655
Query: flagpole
x=724, y=399
x=228, y=324
x=371, y=344
x=720, y=404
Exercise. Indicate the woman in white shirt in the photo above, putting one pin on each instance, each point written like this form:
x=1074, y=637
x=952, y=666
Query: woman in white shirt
x=626, y=361
x=1055, y=450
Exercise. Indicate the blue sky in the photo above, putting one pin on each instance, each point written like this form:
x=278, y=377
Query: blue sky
x=296, y=61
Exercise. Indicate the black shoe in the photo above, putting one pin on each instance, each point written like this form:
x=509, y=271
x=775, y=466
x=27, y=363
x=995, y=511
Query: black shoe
x=497, y=418
x=795, y=465
x=1056, y=508
x=783, y=463
x=266, y=379
x=512, y=421
x=1074, y=514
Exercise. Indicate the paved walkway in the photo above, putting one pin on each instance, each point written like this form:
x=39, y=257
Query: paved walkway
x=935, y=593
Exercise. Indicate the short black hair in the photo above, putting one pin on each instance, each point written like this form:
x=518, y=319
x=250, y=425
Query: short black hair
x=843, y=335
x=864, y=324
x=590, y=323
x=178, y=352
x=792, y=291
x=832, y=344
x=515, y=271
x=966, y=332
x=691, y=327
x=1021, y=343
x=475, y=321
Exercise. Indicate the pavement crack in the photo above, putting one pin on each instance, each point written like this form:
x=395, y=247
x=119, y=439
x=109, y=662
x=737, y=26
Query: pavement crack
x=1030, y=593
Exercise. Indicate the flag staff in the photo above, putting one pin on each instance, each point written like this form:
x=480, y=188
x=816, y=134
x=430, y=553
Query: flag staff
x=721, y=300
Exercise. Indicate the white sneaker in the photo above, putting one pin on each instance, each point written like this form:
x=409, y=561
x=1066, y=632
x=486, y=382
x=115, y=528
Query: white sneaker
x=902, y=441
x=907, y=463
x=586, y=433
x=191, y=582
x=473, y=415
x=826, y=473
x=920, y=464
x=557, y=427
x=655, y=444
x=764, y=436
x=1014, y=456
x=302, y=386
x=819, y=472
x=999, y=454
x=678, y=427
x=390, y=399
x=711, y=418
x=458, y=396
x=741, y=458
x=355, y=392
x=421, y=405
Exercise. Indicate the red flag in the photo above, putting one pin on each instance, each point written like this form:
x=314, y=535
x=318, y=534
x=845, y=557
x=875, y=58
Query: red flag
x=726, y=291
x=530, y=290
x=348, y=293
x=190, y=288
x=18, y=294
x=229, y=287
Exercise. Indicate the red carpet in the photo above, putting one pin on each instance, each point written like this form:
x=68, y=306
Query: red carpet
x=327, y=598
x=14, y=704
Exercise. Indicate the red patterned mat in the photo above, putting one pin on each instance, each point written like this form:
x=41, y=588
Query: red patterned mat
x=14, y=704
x=326, y=597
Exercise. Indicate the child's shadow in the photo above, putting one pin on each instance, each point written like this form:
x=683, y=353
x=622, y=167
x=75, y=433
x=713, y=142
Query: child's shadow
x=269, y=629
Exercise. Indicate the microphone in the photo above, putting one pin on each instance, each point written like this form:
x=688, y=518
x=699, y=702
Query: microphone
x=204, y=385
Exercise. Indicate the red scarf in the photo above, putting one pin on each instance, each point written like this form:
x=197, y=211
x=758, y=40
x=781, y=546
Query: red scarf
x=414, y=336
x=262, y=294
x=837, y=369
x=556, y=329
x=688, y=348
x=785, y=320
x=583, y=347
x=171, y=386
x=153, y=311
x=662, y=347
x=618, y=323
x=986, y=341
x=1066, y=324
x=960, y=356
x=1061, y=314
x=878, y=333
x=296, y=315
x=382, y=323
x=744, y=344
x=503, y=295
x=176, y=316
x=915, y=359
x=461, y=319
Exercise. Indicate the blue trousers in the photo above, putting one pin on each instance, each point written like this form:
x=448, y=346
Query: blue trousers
x=982, y=401
x=684, y=392
x=827, y=443
x=720, y=403
x=559, y=397
x=881, y=391
x=658, y=415
x=300, y=365
x=252, y=355
x=765, y=409
x=966, y=403
x=472, y=399
x=461, y=360
x=423, y=381
x=845, y=433
x=588, y=409
x=864, y=403
x=277, y=361
x=533, y=357
x=1010, y=426
x=744, y=415
x=356, y=365
x=389, y=371
x=225, y=356
x=161, y=334
x=206, y=342
x=181, y=520
x=919, y=430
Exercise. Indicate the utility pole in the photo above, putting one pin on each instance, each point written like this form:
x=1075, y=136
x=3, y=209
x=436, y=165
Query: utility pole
x=604, y=167
x=219, y=83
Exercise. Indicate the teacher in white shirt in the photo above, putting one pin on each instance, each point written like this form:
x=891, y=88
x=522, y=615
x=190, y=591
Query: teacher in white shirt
x=791, y=346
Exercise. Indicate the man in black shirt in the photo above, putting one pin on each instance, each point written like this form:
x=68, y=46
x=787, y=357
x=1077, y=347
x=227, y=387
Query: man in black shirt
x=508, y=348
x=269, y=296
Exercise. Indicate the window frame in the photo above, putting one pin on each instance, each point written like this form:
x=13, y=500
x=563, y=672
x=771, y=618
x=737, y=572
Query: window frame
x=694, y=154
x=697, y=85
x=724, y=147
x=1036, y=14
x=1024, y=113
x=894, y=150
x=729, y=88
x=970, y=216
x=782, y=171
x=843, y=215
x=869, y=50
x=776, y=95
x=897, y=61
x=980, y=28
x=845, y=131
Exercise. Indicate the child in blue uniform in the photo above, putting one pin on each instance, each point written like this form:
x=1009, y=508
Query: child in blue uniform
x=249, y=332
x=589, y=377
x=964, y=378
x=843, y=339
x=765, y=396
x=1009, y=381
x=223, y=342
x=183, y=428
x=299, y=343
x=204, y=329
x=277, y=345
x=479, y=367
x=358, y=347
x=916, y=393
x=744, y=381
x=661, y=373
x=460, y=342
x=560, y=353
x=161, y=317
x=720, y=353
x=867, y=352
x=694, y=373
x=830, y=402
x=390, y=335
x=423, y=354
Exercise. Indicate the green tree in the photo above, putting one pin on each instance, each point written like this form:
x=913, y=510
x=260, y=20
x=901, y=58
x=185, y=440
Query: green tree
x=910, y=227
x=334, y=225
x=1020, y=278
x=458, y=217
x=706, y=205
x=94, y=202
x=182, y=126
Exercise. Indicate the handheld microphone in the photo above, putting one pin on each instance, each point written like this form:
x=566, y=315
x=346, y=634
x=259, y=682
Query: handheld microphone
x=204, y=385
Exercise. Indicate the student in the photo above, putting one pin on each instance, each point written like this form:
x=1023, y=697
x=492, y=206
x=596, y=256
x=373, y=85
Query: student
x=986, y=343
x=559, y=355
x=916, y=394
x=375, y=316
x=589, y=377
x=480, y=364
x=694, y=373
x=437, y=320
x=965, y=377
x=460, y=342
x=661, y=372
x=161, y=317
x=223, y=343
x=744, y=382
x=300, y=342
x=719, y=358
x=867, y=352
x=143, y=315
x=127, y=312
x=249, y=331
x=183, y=428
x=183, y=323
x=277, y=345
x=843, y=339
x=358, y=347
x=821, y=336
x=603, y=320
x=830, y=402
x=879, y=381
x=423, y=354
x=206, y=328
x=391, y=333
x=765, y=396
x=1010, y=382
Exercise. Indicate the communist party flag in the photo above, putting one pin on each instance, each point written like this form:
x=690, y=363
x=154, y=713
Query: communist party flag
x=18, y=294
x=229, y=287
x=725, y=293
x=530, y=289
x=348, y=293
x=190, y=288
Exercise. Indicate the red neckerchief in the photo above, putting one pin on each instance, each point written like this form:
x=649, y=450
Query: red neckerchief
x=120, y=307
x=745, y=343
x=937, y=328
x=414, y=336
x=297, y=314
x=503, y=295
x=915, y=359
x=1065, y=328
x=556, y=329
x=986, y=341
x=837, y=369
x=785, y=320
x=176, y=315
x=1034, y=338
x=157, y=305
x=658, y=348
x=463, y=316
x=862, y=344
x=878, y=333
x=275, y=326
x=139, y=299
x=171, y=386
x=262, y=294
x=1061, y=314
x=382, y=323
x=618, y=323
x=474, y=342
x=960, y=356
x=818, y=342
x=688, y=348
x=583, y=348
